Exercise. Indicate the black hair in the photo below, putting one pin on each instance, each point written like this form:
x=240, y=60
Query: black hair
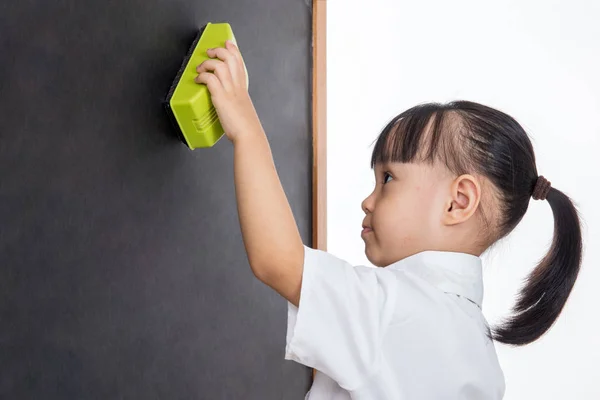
x=468, y=137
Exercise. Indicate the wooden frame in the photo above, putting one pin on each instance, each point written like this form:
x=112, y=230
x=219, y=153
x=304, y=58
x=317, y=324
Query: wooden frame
x=319, y=125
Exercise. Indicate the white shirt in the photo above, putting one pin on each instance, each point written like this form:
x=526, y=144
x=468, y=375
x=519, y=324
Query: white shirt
x=412, y=330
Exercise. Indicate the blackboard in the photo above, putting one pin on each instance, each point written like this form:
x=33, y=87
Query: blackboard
x=123, y=273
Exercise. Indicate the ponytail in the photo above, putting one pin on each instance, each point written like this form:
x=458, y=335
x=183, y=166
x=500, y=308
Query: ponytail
x=547, y=288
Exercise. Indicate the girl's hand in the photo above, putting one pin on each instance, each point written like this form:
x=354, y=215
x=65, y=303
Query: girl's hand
x=226, y=77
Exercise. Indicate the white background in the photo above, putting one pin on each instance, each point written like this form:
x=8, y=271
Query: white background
x=539, y=61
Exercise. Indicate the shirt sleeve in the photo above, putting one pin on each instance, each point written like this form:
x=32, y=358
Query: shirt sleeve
x=339, y=324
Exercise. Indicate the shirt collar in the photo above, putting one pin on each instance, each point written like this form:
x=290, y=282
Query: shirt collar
x=452, y=272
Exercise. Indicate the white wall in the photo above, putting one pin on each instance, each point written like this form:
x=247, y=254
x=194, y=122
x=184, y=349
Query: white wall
x=536, y=60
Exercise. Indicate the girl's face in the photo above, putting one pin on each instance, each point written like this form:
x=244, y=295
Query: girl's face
x=404, y=211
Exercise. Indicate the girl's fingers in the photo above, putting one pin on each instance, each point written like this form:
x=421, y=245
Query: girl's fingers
x=221, y=53
x=230, y=54
x=210, y=80
x=220, y=69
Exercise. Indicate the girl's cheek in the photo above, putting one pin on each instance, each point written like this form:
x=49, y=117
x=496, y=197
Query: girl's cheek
x=426, y=196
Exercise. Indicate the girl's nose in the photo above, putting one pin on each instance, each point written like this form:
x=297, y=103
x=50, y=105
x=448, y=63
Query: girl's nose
x=367, y=204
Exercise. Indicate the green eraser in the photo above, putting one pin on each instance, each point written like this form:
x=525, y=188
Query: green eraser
x=189, y=103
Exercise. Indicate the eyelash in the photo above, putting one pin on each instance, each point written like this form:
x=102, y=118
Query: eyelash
x=385, y=174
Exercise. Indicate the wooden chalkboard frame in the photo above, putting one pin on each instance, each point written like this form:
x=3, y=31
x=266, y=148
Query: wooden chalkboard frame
x=319, y=125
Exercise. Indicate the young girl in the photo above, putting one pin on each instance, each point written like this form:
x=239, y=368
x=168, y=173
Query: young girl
x=452, y=179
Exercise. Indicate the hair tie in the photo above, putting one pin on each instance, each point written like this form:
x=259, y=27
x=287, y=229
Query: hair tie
x=541, y=189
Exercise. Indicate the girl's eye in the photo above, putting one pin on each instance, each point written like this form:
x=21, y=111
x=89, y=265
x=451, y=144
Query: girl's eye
x=385, y=175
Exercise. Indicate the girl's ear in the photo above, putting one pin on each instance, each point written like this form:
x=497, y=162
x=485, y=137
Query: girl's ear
x=465, y=195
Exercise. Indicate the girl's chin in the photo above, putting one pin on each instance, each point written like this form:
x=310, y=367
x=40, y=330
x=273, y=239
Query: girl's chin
x=370, y=256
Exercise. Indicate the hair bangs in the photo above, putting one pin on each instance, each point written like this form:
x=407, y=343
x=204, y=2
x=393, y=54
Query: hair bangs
x=412, y=136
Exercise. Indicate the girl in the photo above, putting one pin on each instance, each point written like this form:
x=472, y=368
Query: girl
x=452, y=180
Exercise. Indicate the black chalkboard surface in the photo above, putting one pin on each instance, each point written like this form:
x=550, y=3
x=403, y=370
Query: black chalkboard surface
x=122, y=270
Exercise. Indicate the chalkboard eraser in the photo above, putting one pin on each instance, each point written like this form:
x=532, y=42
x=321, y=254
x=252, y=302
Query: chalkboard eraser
x=188, y=103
